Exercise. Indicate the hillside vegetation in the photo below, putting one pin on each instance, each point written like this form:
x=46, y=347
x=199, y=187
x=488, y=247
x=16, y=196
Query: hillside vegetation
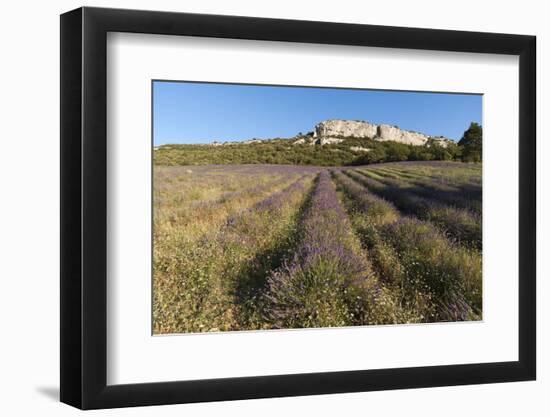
x=351, y=151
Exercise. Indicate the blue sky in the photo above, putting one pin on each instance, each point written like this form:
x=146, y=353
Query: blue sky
x=189, y=112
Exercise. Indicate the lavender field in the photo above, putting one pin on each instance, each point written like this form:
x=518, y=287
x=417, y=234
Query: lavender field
x=258, y=247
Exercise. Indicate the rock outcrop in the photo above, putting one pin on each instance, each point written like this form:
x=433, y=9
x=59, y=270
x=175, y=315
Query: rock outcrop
x=327, y=140
x=300, y=141
x=387, y=132
x=330, y=131
x=347, y=128
x=359, y=149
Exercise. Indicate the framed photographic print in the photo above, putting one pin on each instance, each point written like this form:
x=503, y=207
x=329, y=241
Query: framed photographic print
x=257, y=208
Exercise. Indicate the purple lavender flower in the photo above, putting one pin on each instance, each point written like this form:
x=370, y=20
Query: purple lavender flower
x=311, y=288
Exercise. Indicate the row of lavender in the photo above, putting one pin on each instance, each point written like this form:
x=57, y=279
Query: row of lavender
x=457, y=214
x=435, y=278
x=402, y=269
x=328, y=281
x=213, y=283
x=463, y=194
x=324, y=248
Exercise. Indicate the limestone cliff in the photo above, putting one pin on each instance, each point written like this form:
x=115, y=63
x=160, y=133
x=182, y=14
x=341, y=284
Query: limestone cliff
x=345, y=128
x=331, y=131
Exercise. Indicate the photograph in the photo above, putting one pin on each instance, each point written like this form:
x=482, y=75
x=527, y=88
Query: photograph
x=292, y=207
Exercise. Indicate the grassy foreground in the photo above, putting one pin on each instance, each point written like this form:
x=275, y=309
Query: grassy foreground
x=251, y=247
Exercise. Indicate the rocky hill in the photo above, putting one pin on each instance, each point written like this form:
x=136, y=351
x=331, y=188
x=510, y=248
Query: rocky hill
x=337, y=131
x=331, y=143
x=333, y=131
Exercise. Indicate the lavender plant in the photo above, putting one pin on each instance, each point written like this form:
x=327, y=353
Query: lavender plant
x=328, y=281
x=435, y=277
x=265, y=246
x=457, y=223
x=211, y=285
x=461, y=197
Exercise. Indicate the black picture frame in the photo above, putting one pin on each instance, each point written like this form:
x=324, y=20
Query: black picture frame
x=84, y=207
